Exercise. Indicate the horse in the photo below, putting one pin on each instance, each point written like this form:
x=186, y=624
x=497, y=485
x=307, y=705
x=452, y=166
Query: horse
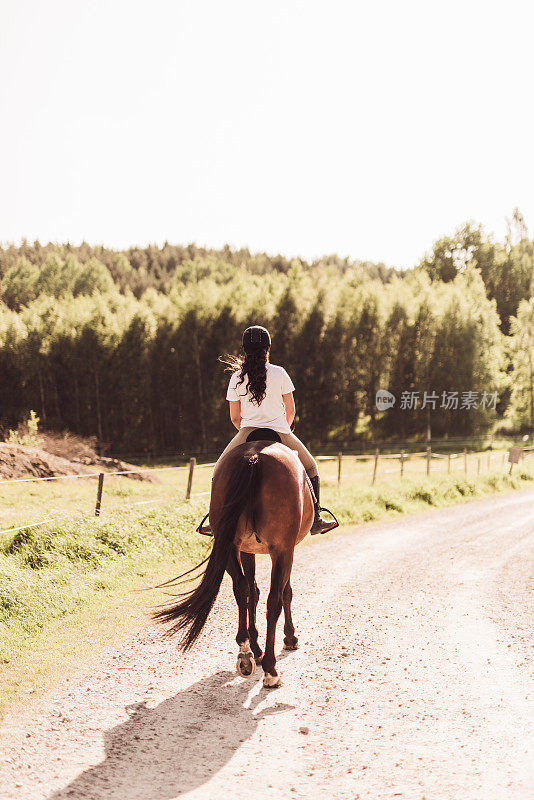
x=261, y=504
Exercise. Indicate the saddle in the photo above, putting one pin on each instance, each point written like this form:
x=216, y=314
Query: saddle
x=264, y=435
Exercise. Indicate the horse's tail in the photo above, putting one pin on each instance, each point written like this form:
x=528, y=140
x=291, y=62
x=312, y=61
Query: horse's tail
x=190, y=614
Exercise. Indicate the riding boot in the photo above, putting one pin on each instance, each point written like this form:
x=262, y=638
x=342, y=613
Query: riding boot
x=319, y=525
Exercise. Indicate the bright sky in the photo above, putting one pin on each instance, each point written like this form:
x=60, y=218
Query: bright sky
x=302, y=127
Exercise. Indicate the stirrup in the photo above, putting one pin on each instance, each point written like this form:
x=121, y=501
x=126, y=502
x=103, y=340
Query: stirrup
x=322, y=508
x=199, y=529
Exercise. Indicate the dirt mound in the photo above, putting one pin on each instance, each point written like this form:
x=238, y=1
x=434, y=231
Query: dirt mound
x=20, y=461
x=66, y=444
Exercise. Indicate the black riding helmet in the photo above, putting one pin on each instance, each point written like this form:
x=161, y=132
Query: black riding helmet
x=256, y=338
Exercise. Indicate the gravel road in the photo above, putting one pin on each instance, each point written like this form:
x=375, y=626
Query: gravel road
x=413, y=680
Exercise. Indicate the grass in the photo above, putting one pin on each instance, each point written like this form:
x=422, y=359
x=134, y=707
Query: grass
x=65, y=588
x=354, y=504
x=24, y=503
x=63, y=580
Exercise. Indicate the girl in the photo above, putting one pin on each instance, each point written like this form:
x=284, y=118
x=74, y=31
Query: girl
x=260, y=395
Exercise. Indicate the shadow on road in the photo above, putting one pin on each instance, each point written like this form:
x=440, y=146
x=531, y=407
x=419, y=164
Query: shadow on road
x=180, y=744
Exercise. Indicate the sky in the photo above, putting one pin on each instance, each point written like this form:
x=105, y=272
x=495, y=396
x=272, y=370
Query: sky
x=303, y=128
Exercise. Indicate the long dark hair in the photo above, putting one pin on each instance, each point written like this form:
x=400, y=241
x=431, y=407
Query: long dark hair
x=252, y=365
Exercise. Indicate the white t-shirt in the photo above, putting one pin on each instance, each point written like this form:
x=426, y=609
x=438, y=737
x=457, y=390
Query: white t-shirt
x=271, y=412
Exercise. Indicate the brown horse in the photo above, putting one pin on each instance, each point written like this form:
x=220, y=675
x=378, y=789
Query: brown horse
x=261, y=503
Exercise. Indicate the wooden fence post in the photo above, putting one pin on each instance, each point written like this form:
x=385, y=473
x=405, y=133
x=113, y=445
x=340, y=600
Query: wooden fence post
x=192, y=462
x=514, y=456
x=428, y=457
x=402, y=463
x=99, y=494
x=465, y=459
x=377, y=453
x=478, y=465
x=448, y=463
x=339, y=458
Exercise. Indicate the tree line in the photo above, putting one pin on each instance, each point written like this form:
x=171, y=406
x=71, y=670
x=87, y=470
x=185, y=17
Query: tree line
x=124, y=345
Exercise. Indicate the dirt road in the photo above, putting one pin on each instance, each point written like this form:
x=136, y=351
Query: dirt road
x=413, y=680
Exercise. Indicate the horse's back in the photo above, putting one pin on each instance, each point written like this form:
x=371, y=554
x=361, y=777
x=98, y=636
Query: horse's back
x=282, y=508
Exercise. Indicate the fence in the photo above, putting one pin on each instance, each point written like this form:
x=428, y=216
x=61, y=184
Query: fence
x=334, y=468
x=101, y=479
x=477, y=442
x=490, y=459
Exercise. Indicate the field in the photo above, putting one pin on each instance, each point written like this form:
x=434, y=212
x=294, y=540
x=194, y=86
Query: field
x=66, y=586
x=28, y=502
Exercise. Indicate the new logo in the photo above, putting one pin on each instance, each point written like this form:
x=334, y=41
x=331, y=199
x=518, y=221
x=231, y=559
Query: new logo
x=384, y=400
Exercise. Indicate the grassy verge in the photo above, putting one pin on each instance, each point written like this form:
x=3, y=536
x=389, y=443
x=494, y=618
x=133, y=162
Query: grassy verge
x=65, y=589
x=355, y=504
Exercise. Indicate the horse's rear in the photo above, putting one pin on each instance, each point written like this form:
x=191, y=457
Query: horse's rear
x=281, y=513
x=260, y=504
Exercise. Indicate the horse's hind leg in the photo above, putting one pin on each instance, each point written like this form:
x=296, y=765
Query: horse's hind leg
x=248, y=561
x=246, y=664
x=290, y=640
x=280, y=573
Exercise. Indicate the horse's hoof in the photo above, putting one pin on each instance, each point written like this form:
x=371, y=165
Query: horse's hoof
x=271, y=681
x=258, y=659
x=246, y=664
x=292, y=644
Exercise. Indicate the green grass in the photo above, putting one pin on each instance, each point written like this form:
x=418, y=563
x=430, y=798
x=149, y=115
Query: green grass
x=24, y=503
x=66, y=588
x=354, y=504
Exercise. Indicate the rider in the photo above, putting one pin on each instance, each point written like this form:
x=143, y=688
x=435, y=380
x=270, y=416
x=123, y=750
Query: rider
x=261, y=396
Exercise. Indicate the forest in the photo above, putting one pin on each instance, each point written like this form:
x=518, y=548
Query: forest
x=124, y=345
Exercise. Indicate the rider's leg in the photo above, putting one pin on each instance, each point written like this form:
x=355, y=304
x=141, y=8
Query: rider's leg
x=239, y=438
x=319, y=525
x=308, y=461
